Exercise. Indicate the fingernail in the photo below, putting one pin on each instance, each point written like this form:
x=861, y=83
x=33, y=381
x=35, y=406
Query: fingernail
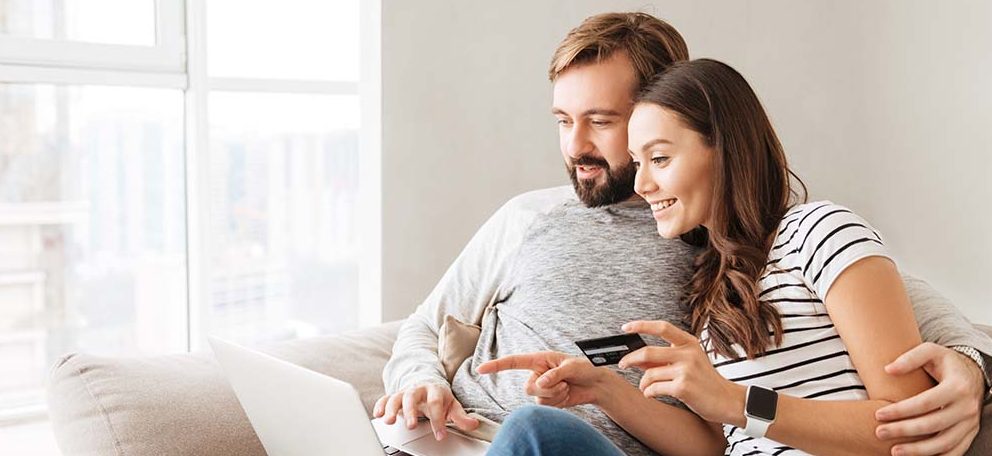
x=439, y=435
x=883, y=433
x=625, y=326
x=542, y=382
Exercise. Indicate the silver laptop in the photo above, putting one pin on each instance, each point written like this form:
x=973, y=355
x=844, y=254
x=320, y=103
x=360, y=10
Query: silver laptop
x=296, y=411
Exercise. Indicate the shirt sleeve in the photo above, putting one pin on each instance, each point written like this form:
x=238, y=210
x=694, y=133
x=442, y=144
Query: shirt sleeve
x=832, y=239
x=464, y=291
x=940, y=321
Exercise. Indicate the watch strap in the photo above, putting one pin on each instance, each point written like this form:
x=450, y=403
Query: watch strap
x=756, y=427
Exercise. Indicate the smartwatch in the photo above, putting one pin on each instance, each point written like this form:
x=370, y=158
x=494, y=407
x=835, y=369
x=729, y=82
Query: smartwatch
x=760, y=406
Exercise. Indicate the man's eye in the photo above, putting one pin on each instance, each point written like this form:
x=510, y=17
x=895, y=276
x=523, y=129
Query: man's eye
x=600, y=123
x=564, y=122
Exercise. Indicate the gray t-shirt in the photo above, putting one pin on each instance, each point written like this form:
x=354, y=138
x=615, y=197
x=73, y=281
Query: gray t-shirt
x=579, y=273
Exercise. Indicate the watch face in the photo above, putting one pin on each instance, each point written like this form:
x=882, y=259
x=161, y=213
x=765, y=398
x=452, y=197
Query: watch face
x=761, y=403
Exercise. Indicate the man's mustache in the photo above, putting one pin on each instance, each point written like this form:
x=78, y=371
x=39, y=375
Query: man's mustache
x=590, y=161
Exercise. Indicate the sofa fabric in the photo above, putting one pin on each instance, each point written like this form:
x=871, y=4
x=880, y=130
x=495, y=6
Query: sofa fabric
x=182, y=404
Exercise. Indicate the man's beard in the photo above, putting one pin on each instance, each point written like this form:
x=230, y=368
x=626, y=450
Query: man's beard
x=618, y=187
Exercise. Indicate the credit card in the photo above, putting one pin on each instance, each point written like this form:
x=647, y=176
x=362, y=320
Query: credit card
x=604, y=351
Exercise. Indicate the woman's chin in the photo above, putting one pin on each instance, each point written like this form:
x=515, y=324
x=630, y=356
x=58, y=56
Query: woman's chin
x=668, y=232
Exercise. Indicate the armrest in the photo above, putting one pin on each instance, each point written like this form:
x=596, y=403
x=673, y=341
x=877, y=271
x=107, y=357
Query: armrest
x=182, y=404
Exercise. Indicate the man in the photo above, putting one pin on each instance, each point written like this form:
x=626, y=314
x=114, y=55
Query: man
x=557, y=265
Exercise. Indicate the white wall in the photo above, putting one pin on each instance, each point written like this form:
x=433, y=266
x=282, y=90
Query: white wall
x=883, y=106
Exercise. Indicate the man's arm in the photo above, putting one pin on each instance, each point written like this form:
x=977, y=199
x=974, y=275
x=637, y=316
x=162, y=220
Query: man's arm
x=949, y=412
x=414, y=378
x=464, y=291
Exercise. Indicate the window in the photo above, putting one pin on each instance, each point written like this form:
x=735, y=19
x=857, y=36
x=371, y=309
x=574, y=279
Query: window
x=171, y=170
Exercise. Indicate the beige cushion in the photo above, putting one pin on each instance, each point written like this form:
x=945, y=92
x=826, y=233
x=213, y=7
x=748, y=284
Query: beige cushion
x=182, y=404
x=456, y=342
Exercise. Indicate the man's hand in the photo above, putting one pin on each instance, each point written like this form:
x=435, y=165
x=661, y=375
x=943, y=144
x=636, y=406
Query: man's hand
x=947, y=415
x=436, y=402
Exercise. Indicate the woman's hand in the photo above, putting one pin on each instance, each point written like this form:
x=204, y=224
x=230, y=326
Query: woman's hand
x=683, y=371
x=556, y=380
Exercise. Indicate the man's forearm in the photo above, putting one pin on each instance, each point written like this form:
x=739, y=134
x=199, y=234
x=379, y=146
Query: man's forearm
x=415, y=359
x=940, y=321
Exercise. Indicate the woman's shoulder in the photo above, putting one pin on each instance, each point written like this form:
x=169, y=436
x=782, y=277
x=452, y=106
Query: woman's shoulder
x=803, y=217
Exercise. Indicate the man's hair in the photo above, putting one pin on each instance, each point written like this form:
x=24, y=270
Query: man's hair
x=650, y=43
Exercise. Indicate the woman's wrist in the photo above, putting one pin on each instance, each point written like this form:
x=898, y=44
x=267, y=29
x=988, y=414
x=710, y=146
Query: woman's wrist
x=610, y=388
x=734, y=411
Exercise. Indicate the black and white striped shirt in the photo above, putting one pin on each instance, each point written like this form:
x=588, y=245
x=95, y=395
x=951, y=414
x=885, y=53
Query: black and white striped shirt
x=815, y=243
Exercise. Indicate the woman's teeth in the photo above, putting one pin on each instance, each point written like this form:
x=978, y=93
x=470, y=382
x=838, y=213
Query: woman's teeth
x=663, y=204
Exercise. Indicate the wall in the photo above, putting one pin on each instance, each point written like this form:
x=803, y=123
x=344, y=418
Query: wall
x=884, y=106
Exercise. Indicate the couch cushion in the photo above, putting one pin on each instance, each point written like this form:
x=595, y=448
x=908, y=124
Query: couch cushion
x=182, y=404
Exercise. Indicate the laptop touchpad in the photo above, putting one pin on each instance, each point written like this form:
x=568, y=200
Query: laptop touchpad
x=452, y=444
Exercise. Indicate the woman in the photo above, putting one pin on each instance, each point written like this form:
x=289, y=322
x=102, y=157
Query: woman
x=797, y=308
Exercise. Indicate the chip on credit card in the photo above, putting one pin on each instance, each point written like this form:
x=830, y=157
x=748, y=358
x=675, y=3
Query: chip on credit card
x=604, y=351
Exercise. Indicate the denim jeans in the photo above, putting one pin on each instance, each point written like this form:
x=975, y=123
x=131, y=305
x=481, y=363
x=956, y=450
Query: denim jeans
x=537, y=430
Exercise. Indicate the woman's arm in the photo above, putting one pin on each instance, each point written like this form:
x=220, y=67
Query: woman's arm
x=873, y=317
x=664, y=428
x=563, y=381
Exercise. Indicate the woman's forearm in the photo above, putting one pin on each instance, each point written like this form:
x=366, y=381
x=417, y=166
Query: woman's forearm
x=821, y=427
x=664, y=428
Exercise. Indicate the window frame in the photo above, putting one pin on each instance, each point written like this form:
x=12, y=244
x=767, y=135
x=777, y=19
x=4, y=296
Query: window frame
x=178, y=61
x=167, y=55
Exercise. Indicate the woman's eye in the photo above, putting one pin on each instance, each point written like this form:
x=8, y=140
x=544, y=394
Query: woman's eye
x=659, y=160
x=637, y=165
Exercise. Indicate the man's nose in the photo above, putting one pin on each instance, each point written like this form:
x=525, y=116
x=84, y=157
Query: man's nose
x=578, y=142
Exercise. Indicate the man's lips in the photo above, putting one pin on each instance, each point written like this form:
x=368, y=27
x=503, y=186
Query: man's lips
x=587, y=172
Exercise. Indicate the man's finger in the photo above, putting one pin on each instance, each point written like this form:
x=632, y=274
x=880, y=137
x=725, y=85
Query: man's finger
x=459, y=418
x=537, y=362
x=393, y=406
x=434, y=410
x=917, y=427
x=944, y=443
x=917, y=357
x=648, y=357
x=662, y=329
x=411, y=406
x=924, y=402
x=380, y=406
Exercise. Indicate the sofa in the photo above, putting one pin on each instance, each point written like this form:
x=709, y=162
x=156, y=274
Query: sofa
x=182, y=404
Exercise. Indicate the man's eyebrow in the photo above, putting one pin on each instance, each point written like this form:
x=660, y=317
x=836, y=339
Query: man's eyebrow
x=590, y=112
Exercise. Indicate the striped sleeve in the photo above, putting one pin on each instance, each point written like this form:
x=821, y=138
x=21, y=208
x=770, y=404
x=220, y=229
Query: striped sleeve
x=832, y=239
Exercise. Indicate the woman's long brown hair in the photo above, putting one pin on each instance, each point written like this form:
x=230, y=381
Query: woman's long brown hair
x=753, y=190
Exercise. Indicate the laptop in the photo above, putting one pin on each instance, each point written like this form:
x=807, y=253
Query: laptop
x=296, y=411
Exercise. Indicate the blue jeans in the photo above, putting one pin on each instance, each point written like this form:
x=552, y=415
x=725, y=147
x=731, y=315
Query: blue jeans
x=537, y=430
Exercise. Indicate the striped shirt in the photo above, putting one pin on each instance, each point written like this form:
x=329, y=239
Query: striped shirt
x=815, y=243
